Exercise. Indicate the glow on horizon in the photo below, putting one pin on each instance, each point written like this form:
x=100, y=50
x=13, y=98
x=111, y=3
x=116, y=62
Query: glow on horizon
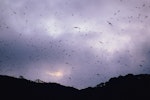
x=58, y=74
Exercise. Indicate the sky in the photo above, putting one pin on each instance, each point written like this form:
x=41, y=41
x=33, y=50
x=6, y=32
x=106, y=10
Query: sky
x=77, y=43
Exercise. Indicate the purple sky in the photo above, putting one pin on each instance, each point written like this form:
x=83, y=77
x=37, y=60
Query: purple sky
x=76, y=43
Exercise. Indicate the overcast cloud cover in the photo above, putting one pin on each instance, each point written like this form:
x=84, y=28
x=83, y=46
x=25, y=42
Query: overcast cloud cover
x=77, y=43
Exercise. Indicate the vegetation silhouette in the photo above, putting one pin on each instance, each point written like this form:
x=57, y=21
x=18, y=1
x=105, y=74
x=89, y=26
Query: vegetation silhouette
x=129, y=87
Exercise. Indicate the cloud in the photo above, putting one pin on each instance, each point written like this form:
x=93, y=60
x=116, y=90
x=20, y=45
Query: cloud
x=86, y=41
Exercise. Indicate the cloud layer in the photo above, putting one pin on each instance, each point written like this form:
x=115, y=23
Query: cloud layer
x=73, y=42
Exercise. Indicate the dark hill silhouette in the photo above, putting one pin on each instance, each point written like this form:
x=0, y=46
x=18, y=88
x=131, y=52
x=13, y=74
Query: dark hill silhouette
x=129, y=87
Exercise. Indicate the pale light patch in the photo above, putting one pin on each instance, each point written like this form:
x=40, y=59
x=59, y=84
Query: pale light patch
x=115, y=42
x=109, y=43
x=81, y=27
x=133, y=26
x=56, y=28
x=49, y=72
x=53, y=27
x=58, y=71
x=56, y=74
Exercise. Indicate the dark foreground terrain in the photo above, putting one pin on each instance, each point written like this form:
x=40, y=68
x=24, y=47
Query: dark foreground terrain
x=129, y=87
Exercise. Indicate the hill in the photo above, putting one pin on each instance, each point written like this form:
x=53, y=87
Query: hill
x=129, y=87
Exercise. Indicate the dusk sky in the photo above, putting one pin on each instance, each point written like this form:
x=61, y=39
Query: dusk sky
x=77, y=43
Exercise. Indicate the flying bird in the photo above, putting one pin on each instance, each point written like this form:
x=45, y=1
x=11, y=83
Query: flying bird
x=109, y=23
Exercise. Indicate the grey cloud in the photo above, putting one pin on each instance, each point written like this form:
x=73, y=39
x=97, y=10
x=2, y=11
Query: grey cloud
x=75, y=36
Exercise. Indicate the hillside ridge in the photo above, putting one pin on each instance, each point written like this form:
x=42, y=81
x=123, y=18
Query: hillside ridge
x=127, y=87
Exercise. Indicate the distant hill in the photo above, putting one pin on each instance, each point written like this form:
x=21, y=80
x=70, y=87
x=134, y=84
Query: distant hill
x=129, y=87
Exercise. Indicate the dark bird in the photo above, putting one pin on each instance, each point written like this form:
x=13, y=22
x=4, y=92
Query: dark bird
x=109, y=23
